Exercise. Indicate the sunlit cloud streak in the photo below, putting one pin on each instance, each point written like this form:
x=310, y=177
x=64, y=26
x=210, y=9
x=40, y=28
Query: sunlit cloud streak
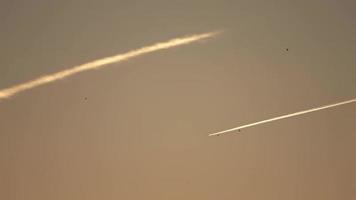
x=100, y=63
x=283, y=117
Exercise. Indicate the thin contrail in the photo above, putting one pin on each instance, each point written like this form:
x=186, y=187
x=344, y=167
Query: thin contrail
x=97, y=64
x=284, y=116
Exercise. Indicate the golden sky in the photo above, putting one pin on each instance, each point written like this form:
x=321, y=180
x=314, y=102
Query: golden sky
x=138, y=129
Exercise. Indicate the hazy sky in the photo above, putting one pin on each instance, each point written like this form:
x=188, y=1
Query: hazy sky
x=142, y=131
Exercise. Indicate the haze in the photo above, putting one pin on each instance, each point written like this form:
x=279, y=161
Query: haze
x=138, y=129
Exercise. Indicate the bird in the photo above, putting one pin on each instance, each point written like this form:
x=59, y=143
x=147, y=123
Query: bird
x=287, y=49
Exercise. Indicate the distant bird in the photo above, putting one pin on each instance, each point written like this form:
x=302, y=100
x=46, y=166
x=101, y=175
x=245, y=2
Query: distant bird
x=287, y=49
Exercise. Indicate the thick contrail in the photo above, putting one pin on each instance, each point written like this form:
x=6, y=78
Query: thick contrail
x=285, y=116
x=97, y=64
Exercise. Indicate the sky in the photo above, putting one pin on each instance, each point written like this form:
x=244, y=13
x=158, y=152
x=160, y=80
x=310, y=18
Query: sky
x=139, y=129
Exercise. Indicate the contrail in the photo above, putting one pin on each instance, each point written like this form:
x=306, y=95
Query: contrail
x=97, y=64
x=284, y=117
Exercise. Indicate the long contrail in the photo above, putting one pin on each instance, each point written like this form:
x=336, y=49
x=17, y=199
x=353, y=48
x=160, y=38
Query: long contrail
x=284, y=117
x=97, y=64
